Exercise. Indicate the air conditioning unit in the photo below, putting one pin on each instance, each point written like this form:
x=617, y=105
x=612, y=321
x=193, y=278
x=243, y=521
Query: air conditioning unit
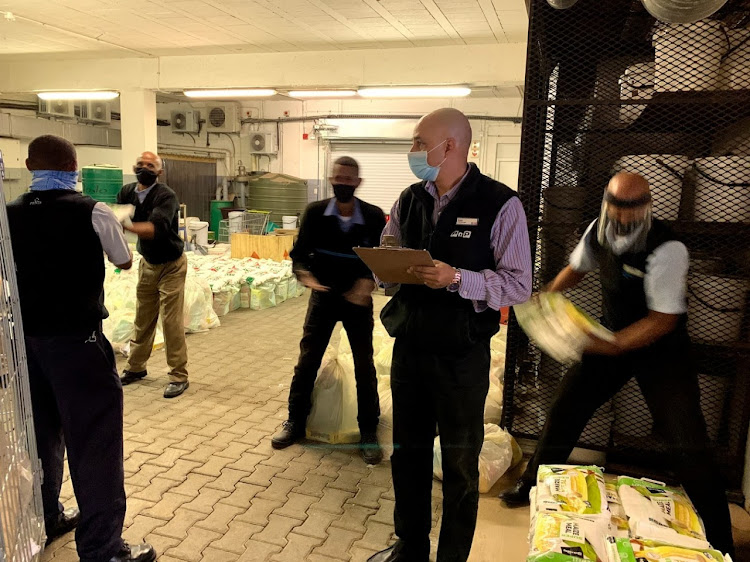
x=185, y=121
x=222, y=119
x=261, y=143
x=57, y=108
x=94, y=112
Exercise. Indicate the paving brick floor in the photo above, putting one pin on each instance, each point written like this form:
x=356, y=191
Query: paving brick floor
x=202, y=480
x=204, y=484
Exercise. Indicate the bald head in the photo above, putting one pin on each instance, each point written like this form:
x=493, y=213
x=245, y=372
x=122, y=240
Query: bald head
x=627, y=186
x=49, y=152
x=447, y=123
x=149, y=160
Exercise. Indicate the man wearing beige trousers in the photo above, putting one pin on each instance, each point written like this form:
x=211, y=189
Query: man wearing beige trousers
x=161, y=274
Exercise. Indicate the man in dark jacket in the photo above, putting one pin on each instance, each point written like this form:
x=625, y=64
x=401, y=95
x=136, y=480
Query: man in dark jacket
x=475, y=229
x=643, y=271
x=76, y=396
x=342, y=288
x=161, y=274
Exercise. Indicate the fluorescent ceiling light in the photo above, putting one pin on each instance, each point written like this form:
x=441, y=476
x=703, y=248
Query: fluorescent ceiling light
x=322, y=93
x=213, y=94
x=416, y=92
x=78, y=95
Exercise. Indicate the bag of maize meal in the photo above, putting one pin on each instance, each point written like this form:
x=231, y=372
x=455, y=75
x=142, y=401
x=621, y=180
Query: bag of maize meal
x=634, y=550
x=620, y=526
x=564, y=537
x=571, y=489
x=660, y=513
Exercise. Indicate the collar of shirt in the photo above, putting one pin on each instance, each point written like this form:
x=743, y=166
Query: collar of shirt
x=332, y=210
x=143, y=193
x=443, y=200
x=49, y=180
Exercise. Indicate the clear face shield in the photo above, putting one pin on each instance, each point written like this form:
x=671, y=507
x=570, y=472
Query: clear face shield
x=624, y=223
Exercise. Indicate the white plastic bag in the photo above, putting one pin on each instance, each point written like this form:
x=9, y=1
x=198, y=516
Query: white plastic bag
x=198, y=313
x=385, y=425
x=500, y=452
x=493, y=405
x=282, y=291
x=222, y=302
x=333, y=418
x=263, y=296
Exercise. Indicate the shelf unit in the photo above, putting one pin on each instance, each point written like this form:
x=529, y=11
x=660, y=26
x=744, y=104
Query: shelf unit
x=574, y=134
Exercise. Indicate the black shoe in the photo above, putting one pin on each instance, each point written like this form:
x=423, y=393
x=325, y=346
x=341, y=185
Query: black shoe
x=369, y=449
x=137, y=553
x=396, y=553
x=174, y=389
x=131, y=376
x=290, y=433
x=65, y=522
x=518, y=495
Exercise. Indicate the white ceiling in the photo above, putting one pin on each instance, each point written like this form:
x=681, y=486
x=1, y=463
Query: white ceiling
x=95, y=28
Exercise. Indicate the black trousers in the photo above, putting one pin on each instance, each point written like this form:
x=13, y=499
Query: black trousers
x=323, y=312
x=449, y=391
x=669, y=384
x=76, y=398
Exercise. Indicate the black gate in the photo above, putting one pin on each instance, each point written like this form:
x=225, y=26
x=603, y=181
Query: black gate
x=609, y=88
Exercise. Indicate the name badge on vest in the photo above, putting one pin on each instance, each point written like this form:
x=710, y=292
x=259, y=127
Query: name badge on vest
x=464, y=221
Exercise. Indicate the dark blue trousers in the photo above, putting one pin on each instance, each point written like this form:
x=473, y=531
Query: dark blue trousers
x=77, y=402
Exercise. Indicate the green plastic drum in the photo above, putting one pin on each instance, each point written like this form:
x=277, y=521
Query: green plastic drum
x=102, y=183
x=216, y=207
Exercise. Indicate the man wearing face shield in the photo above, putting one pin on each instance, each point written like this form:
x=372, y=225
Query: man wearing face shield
x=643, y=272
x=475, y=229
x=342, y=285
x=161, y=274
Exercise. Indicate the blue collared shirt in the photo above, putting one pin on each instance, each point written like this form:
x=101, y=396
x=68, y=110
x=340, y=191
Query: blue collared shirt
x=332, y=210
x=142, y=194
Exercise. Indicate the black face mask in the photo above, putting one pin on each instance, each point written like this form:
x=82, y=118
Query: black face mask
x=145, y=176
x=344, y=193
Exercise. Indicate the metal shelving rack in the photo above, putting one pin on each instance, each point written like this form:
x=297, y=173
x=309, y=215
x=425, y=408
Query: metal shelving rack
x=21, y=515
x=573, y=135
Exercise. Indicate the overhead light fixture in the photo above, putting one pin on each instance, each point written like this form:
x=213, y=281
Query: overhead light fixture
x=322, y=93
x=416, y=92
x=239, y=93
x=101, y=95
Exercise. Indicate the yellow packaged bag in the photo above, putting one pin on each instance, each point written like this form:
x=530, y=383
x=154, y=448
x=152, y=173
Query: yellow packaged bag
x=633, y=550
x=563, y=537
x=571, y=489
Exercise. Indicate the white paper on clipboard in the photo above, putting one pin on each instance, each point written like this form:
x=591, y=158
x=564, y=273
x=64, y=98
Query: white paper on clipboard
x=391, y=264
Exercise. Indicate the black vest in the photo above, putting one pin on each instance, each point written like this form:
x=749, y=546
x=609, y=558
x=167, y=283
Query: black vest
x=438, y=319
x=60, y=285
x=624, y=297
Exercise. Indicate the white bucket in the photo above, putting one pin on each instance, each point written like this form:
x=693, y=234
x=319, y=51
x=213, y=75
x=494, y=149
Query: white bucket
x=199, y=229
x=715, y=307
x=664, y=173
x=688, y=56
x=637, y=83
x=236, y=221
x=735, y=66
x=722, y=189
x=289, y=222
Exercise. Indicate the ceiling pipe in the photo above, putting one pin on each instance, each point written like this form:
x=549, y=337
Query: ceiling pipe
x=369, y=116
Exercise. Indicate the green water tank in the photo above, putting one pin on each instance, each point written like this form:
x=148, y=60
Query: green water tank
x=215, y=212
x=102, y=183
x=278, y=193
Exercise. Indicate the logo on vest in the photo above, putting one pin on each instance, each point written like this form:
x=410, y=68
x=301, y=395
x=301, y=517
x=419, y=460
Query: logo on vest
x=36, y=202
x=461, y=234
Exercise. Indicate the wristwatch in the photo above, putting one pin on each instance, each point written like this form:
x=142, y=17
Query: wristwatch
x=456, y=283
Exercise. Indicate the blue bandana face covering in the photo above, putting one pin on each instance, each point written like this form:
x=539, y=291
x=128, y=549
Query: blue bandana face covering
x=47, y=180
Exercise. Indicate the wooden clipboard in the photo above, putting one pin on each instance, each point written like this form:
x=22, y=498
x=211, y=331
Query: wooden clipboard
x=390, y=264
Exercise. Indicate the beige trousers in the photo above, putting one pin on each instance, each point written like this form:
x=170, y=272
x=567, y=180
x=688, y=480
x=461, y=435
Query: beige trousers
x=161, y=289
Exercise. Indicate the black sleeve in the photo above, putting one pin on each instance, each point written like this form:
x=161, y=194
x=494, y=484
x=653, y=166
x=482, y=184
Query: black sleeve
x=163, y=213
x=300, y=254
x=121, y=196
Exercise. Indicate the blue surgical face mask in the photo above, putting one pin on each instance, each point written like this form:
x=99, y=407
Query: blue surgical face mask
x=47, y=180
x=420, y=167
